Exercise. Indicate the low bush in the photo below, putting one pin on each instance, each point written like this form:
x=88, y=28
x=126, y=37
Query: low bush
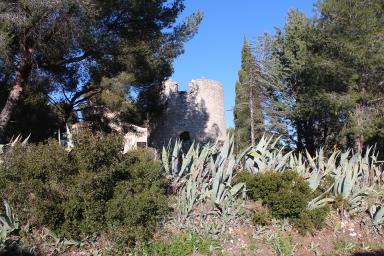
x=286, y=195
x=92, y=188
x=262, y=218
x=35, y=180
x=184, y=244
x=311, y=220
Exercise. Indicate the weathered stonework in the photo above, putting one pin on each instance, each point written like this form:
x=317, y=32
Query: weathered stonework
x=197, y=114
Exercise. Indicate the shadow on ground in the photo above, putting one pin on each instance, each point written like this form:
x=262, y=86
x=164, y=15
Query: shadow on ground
x=375, y=253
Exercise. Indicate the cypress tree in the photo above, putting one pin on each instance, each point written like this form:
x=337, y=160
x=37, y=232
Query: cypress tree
x=248, y=114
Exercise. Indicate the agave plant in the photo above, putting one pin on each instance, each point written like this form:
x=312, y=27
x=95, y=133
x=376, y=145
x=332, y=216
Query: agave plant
x=189, y=196
x=298, y=163
x=13, y=142
x=207, y=183
x=350, y=183
x=321, y=200
x=377, y=214
x=319, y=167
x=266, y=157
x=60, y=241
x=355, y=176
x=70, y=143
x=172, y=161
x=179, y=166
x=371, y=171
x=211, y=170
x=8, y=222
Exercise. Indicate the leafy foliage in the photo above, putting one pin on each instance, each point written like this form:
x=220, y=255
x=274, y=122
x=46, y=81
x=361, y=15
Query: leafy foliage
x=90, y=189
x=77, y=52
x=202, y=178
x=35, y=179
x=327, y=71
x=34, y=116
x=311, y=220
x=283, y=245
x=286, y=195
x=262, y=218
x=184, y=244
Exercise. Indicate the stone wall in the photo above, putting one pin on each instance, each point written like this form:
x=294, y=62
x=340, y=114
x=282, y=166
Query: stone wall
x=197, y=113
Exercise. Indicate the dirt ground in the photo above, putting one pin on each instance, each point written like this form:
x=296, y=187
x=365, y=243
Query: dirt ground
x=339, y=237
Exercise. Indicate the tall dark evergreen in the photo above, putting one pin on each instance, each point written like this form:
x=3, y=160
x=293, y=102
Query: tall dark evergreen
x=331, y=69
x=313, y=113
x=248, y=114
x=357, y=45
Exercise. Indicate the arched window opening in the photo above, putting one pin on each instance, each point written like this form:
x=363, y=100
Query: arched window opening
x=184, y=136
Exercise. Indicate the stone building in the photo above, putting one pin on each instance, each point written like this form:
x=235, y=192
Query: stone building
x=136, y=137
x=194, y=115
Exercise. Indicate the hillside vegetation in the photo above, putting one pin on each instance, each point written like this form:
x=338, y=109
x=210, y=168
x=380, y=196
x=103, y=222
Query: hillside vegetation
x=92, y=197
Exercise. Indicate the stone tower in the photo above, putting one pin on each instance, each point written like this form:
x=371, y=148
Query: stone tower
x=196, y=114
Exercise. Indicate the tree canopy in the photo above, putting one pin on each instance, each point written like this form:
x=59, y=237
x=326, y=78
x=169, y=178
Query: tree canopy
x=322, y=77
x=325, y=76
x=89, y=55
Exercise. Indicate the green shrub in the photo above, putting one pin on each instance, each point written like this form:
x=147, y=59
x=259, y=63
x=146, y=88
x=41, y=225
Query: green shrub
x=93, y=152
x=311, y=220
x=35, y=179
x=262, y=218
x=183, y=245
x=139, y=198
x=286, y=194
x=93, y=188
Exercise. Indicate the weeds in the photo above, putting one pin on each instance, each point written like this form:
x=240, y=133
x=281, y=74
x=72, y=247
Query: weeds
x=183, y=244
x=344, y=246
x=283, y=245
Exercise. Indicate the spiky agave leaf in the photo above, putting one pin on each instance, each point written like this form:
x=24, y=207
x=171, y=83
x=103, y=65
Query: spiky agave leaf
x=8, y=222
x=208, y=190
x=377, y=214
x=265, y=156
x=321, y=200
x=70, y=141
x=165, y=161
x=186, y=162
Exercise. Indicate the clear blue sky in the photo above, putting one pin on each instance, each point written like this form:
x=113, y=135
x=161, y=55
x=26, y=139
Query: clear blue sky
x=214, y=53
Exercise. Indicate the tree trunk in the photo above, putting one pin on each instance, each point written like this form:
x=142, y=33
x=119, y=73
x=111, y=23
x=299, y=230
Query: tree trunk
x=359, y=138
x=22, y=73
x=251, y=110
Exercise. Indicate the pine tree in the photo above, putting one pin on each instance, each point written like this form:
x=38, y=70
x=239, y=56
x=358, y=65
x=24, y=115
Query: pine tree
x=359, y=48
x=75, y=45
x=248, y=114
x=330, y=68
